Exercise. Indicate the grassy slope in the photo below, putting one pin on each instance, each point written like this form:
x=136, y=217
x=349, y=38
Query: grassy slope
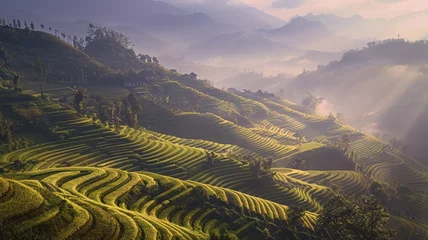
x=63, y=62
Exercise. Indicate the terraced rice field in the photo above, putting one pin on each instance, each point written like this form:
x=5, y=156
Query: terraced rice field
x=107, y=201
x=139, y=178
x=215, y=129
x=352, y=183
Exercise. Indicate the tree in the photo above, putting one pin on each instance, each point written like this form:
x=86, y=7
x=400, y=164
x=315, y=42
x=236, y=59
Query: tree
x=379, y=190
x=344, y=141
x=50, y=29
x=311, y=102
x=25, y=24
x=331, y=118
x=256, y=169
x=299, y=164
x=200, y=195
x=149, y=59
x=5, y=130
x=104, y=108
x=127, y=116
x=14, y=23
x=41, y=72
x=19, y=23
x=294, y=218
x=42, y=26
x=342, y=219
x=16, y=84
x=135, y=103
x=32, y=26
x=80, y=95
x=155, y=60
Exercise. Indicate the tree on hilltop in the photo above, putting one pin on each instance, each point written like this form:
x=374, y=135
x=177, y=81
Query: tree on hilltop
x=96, y=33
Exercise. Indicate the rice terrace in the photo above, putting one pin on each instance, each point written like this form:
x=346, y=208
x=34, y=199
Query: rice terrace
x=157, y=120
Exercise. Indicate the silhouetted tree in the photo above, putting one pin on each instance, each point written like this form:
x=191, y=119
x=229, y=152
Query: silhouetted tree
x=16, y=86
x=41, y=72
x=42, y=26
x=155, y=60
x=19, y=23
x=80, y=95
x=32, y=26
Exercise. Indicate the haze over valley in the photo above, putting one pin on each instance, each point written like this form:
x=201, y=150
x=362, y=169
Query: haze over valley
x=214, y=119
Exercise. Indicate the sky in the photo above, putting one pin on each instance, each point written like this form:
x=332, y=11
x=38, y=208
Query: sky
x=371, y=9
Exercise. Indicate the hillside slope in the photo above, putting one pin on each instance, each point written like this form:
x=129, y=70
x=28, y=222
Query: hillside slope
x=63, y=62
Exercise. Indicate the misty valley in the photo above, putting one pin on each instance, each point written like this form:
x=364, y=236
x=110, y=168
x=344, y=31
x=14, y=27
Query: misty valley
x=213, y=119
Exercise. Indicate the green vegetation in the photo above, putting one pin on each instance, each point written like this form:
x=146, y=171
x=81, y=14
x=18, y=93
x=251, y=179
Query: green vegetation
x=155, y=154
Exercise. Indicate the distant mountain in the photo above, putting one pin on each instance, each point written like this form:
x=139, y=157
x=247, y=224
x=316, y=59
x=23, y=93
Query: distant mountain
x=315, y=56
x=411, y=25
x=298, y=31
x=237, y=45
x=243, y=16
x=334, y=23
x=296, y=27
x=379, y=73
x=253, y=81
x=176, y=28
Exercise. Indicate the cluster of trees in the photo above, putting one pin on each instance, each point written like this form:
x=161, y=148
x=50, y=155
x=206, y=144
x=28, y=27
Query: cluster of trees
x=210, y=159
x=125, y=111
x=148, y=59
x=261, y=168
x=8, y=142
x=311, y=102
x=97, y=33
x=342, y=219
x=16, y=23
x=392, y=198
x=180, y=105
x=299, y=164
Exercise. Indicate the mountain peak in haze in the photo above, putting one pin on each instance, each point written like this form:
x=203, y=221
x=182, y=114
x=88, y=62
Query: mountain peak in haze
x=333, y=22
x=297, y=26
